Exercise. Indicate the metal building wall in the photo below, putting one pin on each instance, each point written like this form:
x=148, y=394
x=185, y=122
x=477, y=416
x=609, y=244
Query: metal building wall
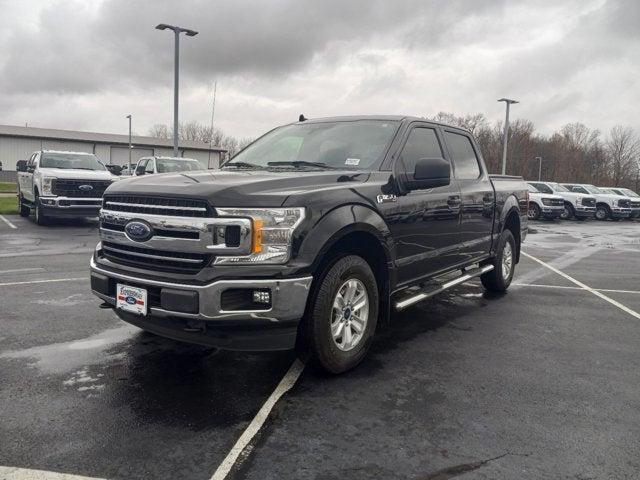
x=13, y=149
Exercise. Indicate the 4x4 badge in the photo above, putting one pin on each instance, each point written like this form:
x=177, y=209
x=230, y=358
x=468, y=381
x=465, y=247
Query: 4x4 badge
x=386, y=198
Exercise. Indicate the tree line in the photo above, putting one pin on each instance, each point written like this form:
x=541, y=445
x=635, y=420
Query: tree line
x=198, y=132
x=574, y=153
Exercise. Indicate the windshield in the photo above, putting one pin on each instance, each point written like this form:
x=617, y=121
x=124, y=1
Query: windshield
x=556, y=187
x=541, y=187
x=592, y=189
x=629, y=193
x=80, y=161
x=166, y=165
x=609, y=191
x=346, y=145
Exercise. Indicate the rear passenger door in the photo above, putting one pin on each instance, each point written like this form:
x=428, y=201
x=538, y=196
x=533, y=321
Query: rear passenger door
x=476, y=195
x=424, y=223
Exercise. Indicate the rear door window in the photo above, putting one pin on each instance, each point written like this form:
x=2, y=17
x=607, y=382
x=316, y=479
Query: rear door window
x=463, y=155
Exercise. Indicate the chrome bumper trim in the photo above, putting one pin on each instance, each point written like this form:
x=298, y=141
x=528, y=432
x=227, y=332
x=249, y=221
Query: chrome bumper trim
x=97, y=202
x=288, y=297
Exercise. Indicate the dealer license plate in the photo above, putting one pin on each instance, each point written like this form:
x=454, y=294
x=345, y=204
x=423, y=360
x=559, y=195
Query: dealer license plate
x=131, y=299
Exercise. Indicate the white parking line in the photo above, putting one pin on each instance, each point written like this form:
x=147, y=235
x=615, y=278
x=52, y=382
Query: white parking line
x=8, y=222
x=608, y=290
x=22, y=270
x=13, y=473
x=585, y=287
x=9, y=284
x=254, y=427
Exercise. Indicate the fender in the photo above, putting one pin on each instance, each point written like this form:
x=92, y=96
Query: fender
x=339, y=222
x=511, y=204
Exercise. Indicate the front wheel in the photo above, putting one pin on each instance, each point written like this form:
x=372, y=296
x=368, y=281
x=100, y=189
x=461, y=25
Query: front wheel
x=534, y=211
x=343, y=315
x=567, y=212
x=603, y=212
x=499, y=279
x=40, y=217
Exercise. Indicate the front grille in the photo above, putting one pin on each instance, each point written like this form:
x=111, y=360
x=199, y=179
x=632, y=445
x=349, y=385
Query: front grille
x=151, y=259
x=71, y=188
x=635, y=204
x=553, y=202
x=588, y=202
x=157, y=232
x=624, y=203
x=175, y=207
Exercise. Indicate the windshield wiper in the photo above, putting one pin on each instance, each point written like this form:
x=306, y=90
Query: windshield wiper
x=243, y=165
x=301, y=163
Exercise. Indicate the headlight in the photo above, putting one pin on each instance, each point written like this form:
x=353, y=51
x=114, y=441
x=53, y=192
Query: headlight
x=46, y=185
x=578, y=200
x=272, y=234
x=546, y=201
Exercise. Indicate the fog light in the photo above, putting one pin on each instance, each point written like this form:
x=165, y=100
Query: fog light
x=262, y=296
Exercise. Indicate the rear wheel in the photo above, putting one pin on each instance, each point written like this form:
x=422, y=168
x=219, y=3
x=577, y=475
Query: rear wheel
x=534, y=211
x=568, y=212
x=603, y=212
x=342, y=316
x=499, y=279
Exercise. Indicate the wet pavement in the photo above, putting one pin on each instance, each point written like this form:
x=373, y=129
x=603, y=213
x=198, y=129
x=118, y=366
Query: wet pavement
x=542, y=382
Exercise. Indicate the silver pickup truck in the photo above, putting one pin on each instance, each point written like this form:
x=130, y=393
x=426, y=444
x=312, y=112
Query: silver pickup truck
x=61, y=184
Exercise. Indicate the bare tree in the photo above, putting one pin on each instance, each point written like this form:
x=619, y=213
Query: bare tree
x=623, y=149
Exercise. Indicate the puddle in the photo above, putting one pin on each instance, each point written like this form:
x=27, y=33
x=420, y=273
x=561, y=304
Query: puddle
x=70, y=356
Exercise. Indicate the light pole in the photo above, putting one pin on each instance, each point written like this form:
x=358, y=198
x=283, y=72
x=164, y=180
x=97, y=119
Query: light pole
x=129, y=117
x=508, y=101
x=176, y=31
x=539, y=168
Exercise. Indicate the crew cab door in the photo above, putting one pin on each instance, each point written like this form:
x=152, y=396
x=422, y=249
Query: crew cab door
x=26, y=185
x=476, y=194
x=424, y=223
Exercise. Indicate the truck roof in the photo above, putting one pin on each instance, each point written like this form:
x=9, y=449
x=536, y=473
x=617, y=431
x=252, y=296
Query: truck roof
x=65, y=151
x=390, y=118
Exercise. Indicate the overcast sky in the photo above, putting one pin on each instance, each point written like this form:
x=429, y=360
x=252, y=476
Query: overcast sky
x=85, y=65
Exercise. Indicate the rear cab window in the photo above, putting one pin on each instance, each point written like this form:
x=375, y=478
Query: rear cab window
x=465, y=159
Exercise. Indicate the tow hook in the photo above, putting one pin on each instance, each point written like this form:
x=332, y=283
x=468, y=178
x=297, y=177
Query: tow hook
x=195, y=327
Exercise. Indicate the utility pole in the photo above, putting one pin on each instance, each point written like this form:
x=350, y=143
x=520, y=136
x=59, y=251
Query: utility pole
x=508, y=102
x=176, y=75
x=539, y=168
x=129, y=117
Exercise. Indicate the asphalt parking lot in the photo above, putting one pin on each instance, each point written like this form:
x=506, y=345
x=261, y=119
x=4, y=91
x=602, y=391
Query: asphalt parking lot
x=543, y=382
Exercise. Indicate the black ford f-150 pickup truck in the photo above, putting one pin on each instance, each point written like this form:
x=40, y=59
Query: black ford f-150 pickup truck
x=310, y=237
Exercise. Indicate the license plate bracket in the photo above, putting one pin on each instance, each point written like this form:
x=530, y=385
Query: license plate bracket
x=131, y=299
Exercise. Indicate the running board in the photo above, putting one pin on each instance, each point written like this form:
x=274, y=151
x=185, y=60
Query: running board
x=434, y=290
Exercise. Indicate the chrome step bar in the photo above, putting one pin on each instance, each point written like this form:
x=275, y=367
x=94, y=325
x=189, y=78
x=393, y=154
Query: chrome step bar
x=434, y=290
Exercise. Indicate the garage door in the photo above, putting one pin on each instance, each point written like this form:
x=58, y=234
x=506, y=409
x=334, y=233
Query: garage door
x=120, y=155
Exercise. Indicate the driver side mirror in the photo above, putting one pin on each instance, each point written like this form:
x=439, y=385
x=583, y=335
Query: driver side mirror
x=429, y=173
x=21, y=166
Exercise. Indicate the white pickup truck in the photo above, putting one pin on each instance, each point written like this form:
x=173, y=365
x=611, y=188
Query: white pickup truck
x=576, y=205
x=608, y=205
x=544, y=204
x=61, y=184
x=152, y=165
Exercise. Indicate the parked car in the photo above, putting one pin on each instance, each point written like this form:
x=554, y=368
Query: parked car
x=545, y=205
x=310, y=236
x=576, y=205
x=632, y=196
x=151, y=165
x=608, y=205
x=61, y=184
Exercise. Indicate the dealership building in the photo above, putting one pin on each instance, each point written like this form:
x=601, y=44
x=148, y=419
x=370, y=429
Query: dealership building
x=18, y=143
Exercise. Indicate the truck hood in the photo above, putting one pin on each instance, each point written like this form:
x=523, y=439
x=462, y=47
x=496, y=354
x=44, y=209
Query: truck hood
x=75, y=174
x=245, y=188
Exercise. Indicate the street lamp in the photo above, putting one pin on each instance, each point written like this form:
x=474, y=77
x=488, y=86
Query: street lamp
x=508, y=101
x=129, y=117
x=539, y=168
x=177, y=31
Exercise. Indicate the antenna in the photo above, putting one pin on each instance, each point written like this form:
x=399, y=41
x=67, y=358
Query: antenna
x=213, y=109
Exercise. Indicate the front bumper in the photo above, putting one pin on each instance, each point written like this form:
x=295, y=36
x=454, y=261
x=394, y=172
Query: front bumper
x=552, y=212
x=584, y=212
x=70, y=207
x=620, y=212
x=194, y=313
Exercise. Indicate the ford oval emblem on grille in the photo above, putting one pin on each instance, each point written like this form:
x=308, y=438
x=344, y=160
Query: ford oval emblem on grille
x=85, y=187
x=138, y=231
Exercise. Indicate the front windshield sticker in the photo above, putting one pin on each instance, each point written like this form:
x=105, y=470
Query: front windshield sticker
x=352, y=161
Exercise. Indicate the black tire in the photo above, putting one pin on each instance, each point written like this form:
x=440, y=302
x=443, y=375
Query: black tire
x=319, y=343
x=496, y=280
x=534, y=212
x=25, y=211
x=40, y=217
x=568, y=213
x=603, y=212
